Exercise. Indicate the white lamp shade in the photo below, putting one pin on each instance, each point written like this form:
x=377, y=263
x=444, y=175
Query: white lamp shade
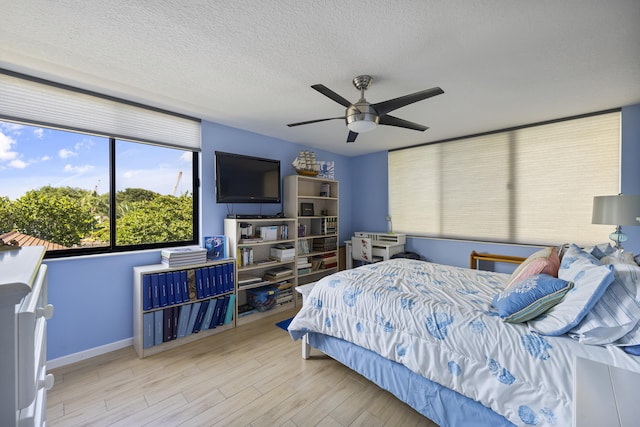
x=622, y=209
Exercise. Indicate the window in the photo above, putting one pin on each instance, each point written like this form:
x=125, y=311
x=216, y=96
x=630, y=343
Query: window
x=532, y=185
x=93, y=174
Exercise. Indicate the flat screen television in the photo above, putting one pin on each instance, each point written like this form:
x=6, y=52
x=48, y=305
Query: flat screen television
x=246, y=179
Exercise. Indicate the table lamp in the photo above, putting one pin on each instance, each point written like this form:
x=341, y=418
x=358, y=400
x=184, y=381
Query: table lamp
x=616, y=210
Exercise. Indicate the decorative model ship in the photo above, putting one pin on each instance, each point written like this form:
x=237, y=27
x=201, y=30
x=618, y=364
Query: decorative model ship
x=306, y=164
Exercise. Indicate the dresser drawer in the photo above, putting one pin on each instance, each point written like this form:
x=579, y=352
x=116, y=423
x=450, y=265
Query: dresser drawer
x=32, y=315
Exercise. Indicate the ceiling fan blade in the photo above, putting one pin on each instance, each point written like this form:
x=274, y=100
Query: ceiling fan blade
x=315, y=121
x=352, y=136
x=331, y=94
x=394, y=121
x=384, y=107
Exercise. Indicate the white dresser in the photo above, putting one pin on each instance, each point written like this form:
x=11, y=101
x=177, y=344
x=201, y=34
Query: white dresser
x=23, y=337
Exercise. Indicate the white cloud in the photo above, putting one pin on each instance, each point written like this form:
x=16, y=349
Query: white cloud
x=45, y=158
x=5, y=147
x=65, y=154
x=11, y=127
x=39, y=133
x=187, y=156
x=78, y=169
x=17, y=164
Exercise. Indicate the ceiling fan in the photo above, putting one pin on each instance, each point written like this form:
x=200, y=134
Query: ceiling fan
x=363, y=117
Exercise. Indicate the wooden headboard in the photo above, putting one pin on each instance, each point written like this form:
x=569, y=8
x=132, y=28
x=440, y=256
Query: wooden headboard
x=475, y=257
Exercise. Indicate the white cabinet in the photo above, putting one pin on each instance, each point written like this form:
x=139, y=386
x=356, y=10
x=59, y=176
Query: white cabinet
x=265, y=251
x=24, y=311
x=314, y=202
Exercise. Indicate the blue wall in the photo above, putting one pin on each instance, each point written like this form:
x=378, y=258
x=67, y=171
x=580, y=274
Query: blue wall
x=93, y=295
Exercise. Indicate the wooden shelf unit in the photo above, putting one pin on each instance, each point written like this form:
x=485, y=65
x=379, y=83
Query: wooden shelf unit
x=138, y=310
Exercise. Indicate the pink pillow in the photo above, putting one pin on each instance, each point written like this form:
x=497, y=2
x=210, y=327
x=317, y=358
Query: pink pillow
x=545, y=261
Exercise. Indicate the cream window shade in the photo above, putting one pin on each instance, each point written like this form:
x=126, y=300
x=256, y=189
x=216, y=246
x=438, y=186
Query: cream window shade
x=37, y=102
x=530, y=185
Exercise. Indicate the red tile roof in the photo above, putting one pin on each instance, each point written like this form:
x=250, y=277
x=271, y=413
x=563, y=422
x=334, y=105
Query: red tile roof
x=26, y=240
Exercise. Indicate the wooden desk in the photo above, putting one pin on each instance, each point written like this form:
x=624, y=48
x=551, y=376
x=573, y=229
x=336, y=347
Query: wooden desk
x=384, y=245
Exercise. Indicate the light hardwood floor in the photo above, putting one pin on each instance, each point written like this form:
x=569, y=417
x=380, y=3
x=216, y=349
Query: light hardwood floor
x=252, y=375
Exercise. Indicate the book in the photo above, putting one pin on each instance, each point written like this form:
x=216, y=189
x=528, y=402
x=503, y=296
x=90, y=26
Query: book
x=171, y=296
x=208, y=315
x=158, y=320
x=218, y=312
x=200, y=317
x=177, y=287
x=195, y=309
x=175, y=317
x=167, y=328
x=223, y=313
x=228, y=318
x=278, y=272
x=183, y=320
x=147, y=295
x=184, y=282
x=155, y=288
x=162, y=281
x=216, y=247
x=147, y=330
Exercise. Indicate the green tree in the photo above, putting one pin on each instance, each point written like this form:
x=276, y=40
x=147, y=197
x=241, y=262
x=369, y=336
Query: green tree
x=6, y=215
x=162, y=219
x=54, y=214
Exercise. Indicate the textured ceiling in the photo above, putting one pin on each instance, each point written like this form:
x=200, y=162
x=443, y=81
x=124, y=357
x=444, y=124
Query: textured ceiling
x=250, y=64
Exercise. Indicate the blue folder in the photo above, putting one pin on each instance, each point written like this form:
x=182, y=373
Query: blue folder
x=162, y=280
x=183, y=320
x=147, y=294
x=148, y=330
x=171, y=296
x=155, y=288
x=195, y=309
x=177, y=287
x=158, y=327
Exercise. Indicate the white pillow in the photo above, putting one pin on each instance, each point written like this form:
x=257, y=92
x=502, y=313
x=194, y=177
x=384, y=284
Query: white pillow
x=616, y=313
x=591, y=279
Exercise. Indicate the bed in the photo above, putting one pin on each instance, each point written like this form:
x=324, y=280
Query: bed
x=431, y=335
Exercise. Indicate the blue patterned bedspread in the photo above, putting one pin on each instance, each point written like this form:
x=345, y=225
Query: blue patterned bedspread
x=438, y=321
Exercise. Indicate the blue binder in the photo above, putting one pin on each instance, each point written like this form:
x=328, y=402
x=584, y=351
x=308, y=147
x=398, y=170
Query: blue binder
x=228, y=277
x=183, y=320
x=195, y=309
x=185, y=286
x=208, y=315
x=175, y=316
x=200, y=317
x=158, y=327
x=199, y=285
x=171, y=296
x=148, y=328
x=225, y=307
x=155, y=289
x=220, y=278
x=211, y=271
x=147, y=294
x=216, y=315
x=206, y=282
x=177, y=287
x=231, y=307
x=162, y=280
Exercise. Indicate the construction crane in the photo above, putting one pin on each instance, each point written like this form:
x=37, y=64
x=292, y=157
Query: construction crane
x=175, y=187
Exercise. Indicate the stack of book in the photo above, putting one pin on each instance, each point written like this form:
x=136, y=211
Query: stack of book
x=285, y=292
x=325, y=244
x=327, y=260
x=303, y=265
x=177, y=257
x=283, y=252
x=247, y=280
x=303, y=247
x=277, y=273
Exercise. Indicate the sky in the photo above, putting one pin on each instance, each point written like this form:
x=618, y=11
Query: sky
x=32, y=157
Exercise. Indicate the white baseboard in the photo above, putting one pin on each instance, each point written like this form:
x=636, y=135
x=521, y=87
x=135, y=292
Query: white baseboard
x=92, y=352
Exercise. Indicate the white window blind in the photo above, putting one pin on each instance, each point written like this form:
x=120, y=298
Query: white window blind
x=530, y=185
x=36, y=102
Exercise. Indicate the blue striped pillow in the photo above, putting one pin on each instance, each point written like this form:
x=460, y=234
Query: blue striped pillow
x=530, y=297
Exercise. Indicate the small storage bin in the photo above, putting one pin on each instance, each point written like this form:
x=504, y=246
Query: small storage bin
x=262, y=299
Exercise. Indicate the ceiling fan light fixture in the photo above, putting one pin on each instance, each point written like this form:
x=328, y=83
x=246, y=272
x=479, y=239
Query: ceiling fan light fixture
x=361, y=126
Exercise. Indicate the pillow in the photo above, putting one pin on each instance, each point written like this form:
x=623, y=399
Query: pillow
x=616, y=313
x=634, y=349
x=530, y=297
x=618, y=257
x=600, y=250
x=545, y=261
x=590, y=279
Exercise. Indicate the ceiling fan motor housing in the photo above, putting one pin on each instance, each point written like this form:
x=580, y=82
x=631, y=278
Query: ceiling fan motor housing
x=362, y=112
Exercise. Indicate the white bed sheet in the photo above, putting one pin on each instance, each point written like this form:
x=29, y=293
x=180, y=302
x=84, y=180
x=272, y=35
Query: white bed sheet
x=438, y=321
